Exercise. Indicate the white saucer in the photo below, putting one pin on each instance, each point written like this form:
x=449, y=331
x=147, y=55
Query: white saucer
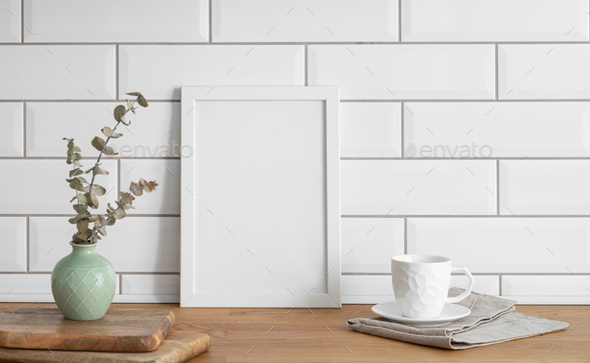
x=450, y=313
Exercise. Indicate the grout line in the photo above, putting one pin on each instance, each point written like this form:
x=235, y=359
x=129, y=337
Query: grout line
x=210, y=21
x=399, y=21
x=120, y=284
x=118, y=179
x=24, y=129
x=507, y=216
x=496, y=70
x=117, y=272
x=405, y=236
x=72, y=215
x=460, y=158
x=372, y=100
x=117, y=71
x=27, y=243
x=475, y=274
x=403, y=116
x=106, y=158
x=368, y=43
x=500, y=285
x=498, y=187
x=22, y=21
x=305, y=81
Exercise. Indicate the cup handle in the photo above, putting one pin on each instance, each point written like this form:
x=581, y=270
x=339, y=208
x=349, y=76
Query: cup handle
x=456, y=299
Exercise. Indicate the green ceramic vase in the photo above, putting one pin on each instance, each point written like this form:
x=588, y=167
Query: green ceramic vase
x=83, y=284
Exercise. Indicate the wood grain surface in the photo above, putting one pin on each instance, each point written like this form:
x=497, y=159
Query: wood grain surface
x=321, y=335
x=120, y=330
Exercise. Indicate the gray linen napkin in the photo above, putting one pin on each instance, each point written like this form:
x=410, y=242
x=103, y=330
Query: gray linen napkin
x=491, y=321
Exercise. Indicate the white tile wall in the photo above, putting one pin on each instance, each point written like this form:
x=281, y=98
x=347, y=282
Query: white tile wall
x=11, y=137
x=498, y=129
x=370, y=129
x=424, y=187
x=154, y=132
x=304, y=21
x=10, y=17
x=54, y=72
x=160, y=70
x=166, y=198
x=14, y=246
x=40, y=186
x=505, y=245
x=116, y=21
x=134, y=244
x=494, y=20
x=513, y=75
x=151, y=284
x=404, y=71
x=369, y=243
x=546, y=285
x=543, y=71
x=545, y=187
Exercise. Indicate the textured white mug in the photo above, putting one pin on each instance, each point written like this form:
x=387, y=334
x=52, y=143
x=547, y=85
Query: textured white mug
x=421, y=283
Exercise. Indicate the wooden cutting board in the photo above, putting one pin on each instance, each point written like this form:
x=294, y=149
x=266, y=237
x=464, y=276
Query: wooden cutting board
x=179, y=346
x=120, y=330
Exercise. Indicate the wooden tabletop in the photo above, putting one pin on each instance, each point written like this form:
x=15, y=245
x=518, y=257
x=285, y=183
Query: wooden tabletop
x=321, y=335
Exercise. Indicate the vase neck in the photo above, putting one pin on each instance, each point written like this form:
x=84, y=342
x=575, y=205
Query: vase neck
x=83, y=249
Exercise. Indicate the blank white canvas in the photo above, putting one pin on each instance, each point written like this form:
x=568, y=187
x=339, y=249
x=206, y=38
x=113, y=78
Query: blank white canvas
x=260, y=210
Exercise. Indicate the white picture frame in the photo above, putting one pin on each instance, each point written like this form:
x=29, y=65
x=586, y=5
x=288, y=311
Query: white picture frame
x=260, y=197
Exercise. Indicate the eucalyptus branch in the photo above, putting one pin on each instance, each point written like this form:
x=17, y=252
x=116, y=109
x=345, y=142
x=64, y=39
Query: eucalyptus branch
x=86, y=235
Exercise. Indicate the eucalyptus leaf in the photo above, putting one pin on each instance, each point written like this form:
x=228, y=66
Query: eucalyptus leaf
x=80, y=208
x=76, y=149
x=97, y=170
x=136, y=189
x=110, y=221
x=133, y=93
x=110, y=133
x=142, y=101
x=72, y=220
x=92, y=200
x=81, y=198
x=130, y=106
x=83, y=225
x=109, y=151
x=126, y=200
x=98, y=143
x=98, y=190
x=119, y=112
x=75, y=172
x=148, y=186
x=77, y=163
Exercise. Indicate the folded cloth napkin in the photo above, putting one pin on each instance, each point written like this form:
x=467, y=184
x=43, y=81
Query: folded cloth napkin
x=491, y=321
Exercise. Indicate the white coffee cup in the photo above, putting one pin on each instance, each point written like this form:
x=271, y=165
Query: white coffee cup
x=421, y=284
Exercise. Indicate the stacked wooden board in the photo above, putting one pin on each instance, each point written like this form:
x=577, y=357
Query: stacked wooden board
x=41, y=334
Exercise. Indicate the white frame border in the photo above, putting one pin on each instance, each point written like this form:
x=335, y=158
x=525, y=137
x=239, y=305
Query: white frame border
x=333, y=298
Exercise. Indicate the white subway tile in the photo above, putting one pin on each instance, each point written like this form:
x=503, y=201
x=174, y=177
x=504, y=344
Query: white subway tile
x=24, y=284
x=543, y=71
x=418, y=187
x=116, y=21
x=11, y=137
x=404, y=71
x=158, y=71
x=550, y=187
x=40, y=186
x=369, y=243
x=302, y=21
x=367, y=289
x=370, y=129
x=505, y=245
x=151, y=284
x=13, y=244
x=546, y=286
x=133, y=244
x=154, y=131
x=359, y=289
x=509, y=129
x=10, y=21
x=494, y=20
x=56, y=72
x=166, y=198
